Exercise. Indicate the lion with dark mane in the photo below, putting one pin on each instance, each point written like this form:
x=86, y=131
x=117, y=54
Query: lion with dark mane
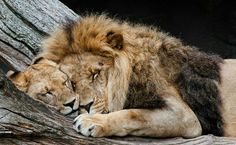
x=136, y=80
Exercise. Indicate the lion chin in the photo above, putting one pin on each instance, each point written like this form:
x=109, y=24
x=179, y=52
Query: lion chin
x=136, y=80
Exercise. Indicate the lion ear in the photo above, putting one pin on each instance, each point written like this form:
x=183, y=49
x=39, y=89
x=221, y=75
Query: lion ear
x=18, y=78
x=115, y=40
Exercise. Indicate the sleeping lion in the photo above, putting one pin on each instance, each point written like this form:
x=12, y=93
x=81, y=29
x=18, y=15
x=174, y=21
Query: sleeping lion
x=46, y=82
x=136, y=80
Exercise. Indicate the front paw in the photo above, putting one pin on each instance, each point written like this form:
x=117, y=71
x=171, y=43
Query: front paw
x=94, y=125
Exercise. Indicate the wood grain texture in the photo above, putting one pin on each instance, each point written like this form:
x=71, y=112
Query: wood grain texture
x=23, y=24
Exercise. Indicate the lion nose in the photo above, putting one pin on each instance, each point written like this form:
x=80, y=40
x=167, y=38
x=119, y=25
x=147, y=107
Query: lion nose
x=72, y=102
x=87, y=107
x=71, y=107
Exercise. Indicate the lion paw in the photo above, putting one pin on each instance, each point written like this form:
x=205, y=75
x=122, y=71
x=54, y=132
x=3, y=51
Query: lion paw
x=94, y=125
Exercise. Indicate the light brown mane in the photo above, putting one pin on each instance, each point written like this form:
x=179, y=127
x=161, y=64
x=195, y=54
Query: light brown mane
x=148, y=56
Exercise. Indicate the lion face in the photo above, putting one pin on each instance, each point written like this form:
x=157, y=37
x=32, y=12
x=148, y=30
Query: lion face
x=101, y=81
x=45, y=82
x=89, y=74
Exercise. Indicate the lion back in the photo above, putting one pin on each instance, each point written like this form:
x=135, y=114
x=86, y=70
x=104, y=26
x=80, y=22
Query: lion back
x=197, y=84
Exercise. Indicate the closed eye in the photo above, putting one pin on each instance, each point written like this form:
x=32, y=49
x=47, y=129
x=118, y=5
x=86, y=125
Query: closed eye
x=95, y=74
x=69, y=84
x=73, y=85
x=47, y=97
x=47, y=94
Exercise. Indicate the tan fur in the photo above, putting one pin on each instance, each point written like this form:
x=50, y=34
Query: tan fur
x=89, y=89
x=45, y=82
x=172, y=122
x=228, y=90
x=103, y=56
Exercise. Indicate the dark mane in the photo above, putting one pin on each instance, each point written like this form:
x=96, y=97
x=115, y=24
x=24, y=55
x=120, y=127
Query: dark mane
x=197, y=85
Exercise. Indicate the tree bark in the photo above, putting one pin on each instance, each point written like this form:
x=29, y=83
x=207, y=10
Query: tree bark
x=23, y=24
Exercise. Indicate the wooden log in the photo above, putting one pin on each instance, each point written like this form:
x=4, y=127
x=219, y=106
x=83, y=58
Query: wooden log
x=23, y=24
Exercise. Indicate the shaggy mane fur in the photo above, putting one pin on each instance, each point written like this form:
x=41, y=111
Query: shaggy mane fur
x=147, y=64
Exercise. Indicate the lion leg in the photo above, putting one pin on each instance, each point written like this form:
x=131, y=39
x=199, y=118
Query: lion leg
x=175, y=120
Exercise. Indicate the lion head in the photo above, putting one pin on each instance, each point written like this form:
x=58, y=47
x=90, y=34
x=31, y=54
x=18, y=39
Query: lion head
x=89, y=74
x=44, y=81
x=92, y=51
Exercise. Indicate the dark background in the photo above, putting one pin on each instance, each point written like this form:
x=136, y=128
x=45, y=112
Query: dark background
x=207, y=24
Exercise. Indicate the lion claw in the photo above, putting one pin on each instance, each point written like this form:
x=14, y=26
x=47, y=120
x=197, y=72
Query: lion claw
x=88, y=125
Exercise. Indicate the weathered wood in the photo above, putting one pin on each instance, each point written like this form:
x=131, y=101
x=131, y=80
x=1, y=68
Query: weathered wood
x=23, y=24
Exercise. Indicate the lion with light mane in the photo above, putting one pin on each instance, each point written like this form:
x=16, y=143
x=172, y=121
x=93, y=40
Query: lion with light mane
x=136, y=80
